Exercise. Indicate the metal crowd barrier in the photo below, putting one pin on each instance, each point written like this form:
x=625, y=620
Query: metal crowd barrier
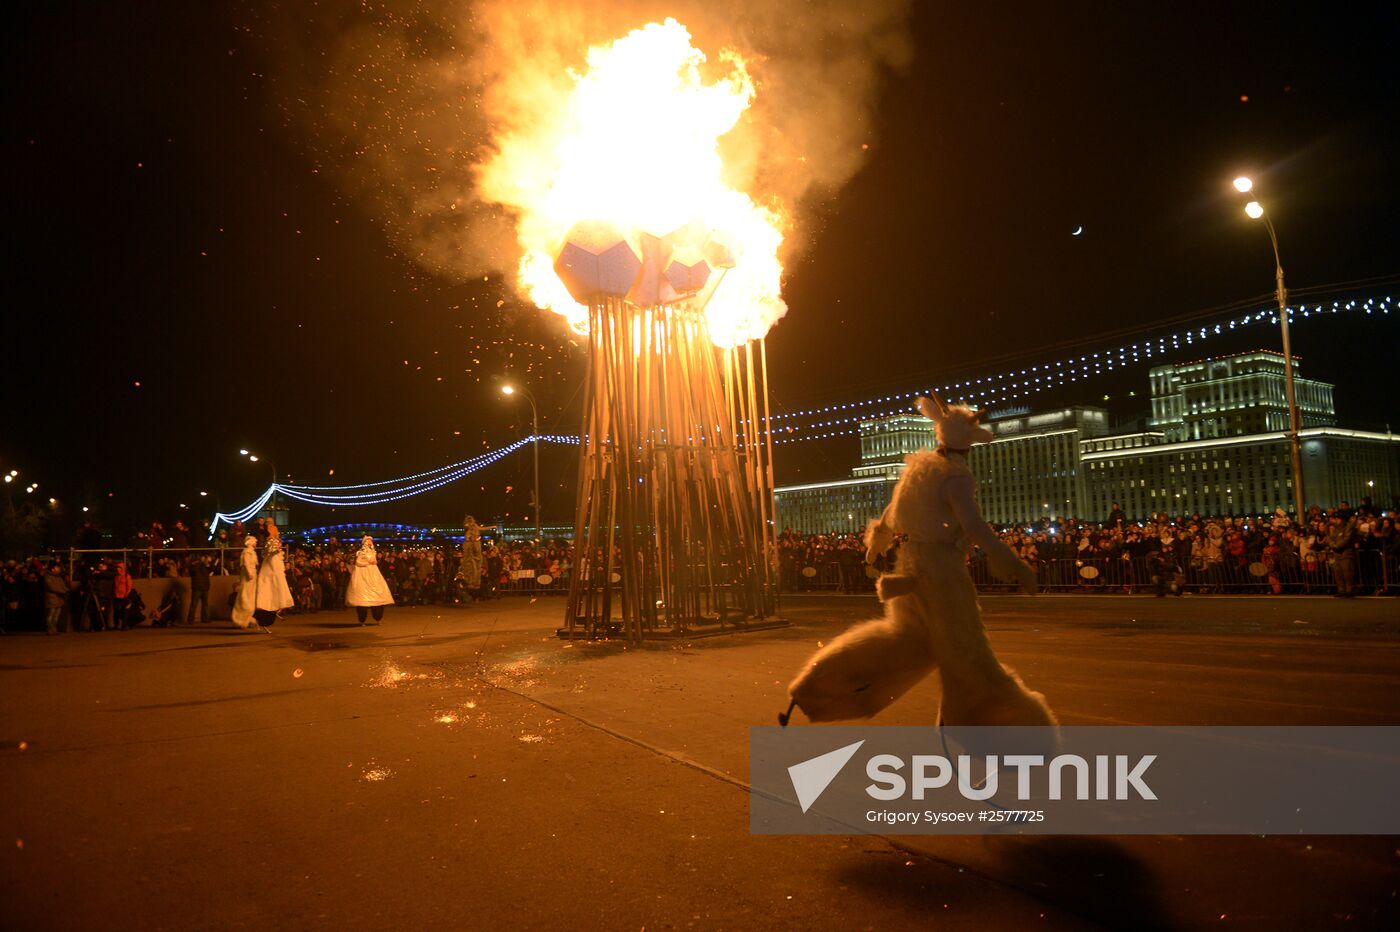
x=825, y=576
x=1375, y=572
x=141, y=561
x=1253, y=573
x=532, y=582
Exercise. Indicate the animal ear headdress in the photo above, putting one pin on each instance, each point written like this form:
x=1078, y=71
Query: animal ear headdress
x=933, y=407
x=958, y=427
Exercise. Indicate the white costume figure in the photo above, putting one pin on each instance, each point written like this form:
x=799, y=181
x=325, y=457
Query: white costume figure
x=273, y=592
x=368, y=590
x=931, y=620
x=473, y=562
x=247, y=599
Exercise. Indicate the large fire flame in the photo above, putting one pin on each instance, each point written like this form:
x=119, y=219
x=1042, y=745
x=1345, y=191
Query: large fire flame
x=634, y=142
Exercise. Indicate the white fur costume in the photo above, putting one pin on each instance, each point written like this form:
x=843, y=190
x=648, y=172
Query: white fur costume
x=931, y=615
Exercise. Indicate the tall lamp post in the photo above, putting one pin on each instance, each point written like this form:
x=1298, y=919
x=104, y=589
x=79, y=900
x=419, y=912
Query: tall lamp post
x=1255, y=211
x=509, y=389
x=254, y=458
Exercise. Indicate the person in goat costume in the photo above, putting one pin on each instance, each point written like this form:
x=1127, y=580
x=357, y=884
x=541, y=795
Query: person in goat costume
x=931, y=616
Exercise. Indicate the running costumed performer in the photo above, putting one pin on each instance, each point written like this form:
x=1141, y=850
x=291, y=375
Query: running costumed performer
x=247, y=601
x=274, y=594
x=932, y=620
x=367, y=591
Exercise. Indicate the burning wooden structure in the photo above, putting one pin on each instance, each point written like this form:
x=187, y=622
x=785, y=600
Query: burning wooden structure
x=675, y=524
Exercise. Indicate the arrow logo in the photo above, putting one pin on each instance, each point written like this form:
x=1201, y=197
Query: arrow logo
x=811, y=777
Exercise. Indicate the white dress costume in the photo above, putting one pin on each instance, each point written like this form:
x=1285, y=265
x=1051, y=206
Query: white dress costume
x=247, y=583
x=367, y=586
x=274, y=594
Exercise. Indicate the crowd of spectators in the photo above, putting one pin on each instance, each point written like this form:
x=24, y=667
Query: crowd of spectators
x=1343, y=551
x=96, y=591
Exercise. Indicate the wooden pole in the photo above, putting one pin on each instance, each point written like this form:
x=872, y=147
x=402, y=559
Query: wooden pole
x=769, y=486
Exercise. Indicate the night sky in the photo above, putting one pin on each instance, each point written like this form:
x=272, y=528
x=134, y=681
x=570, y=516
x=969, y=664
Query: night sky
x=189, y=281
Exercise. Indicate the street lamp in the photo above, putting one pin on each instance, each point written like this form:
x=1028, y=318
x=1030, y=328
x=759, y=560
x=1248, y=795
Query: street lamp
x=509, y=389
x=254, y=458
x=1255, y=211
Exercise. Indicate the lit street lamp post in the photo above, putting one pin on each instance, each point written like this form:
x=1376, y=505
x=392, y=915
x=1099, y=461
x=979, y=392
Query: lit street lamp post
x=535, y=420
x=253, y=458
x=1255, y=211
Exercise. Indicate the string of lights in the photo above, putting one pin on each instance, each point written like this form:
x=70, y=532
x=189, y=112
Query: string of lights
x=390, y=490
x=1013, y=384
x=983, y=391
x=246, y=513
x=317, y=495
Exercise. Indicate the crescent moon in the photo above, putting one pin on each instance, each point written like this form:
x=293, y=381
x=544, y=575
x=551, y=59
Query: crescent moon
x=1078, y=230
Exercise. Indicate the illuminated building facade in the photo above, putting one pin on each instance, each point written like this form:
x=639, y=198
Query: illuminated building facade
x=845, y=505
x=1248, y=475
x=886, y=441
x=1032, y=469
x=1233, y=396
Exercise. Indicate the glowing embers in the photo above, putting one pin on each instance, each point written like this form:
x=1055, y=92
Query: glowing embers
x=523, y=673
x=392, y=676
x=461, y=712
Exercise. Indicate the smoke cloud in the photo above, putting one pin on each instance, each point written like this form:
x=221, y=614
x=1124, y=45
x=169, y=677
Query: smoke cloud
x=403, y=102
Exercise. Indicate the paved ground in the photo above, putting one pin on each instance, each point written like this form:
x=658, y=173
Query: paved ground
x=466, y=769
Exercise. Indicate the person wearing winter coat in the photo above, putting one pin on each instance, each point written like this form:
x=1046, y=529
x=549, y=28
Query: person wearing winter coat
x=1341, y=541
x=1165, y=570
x=1213, y=555
x=199, y=590
x=368, y=592
x=122, y=587
x=56, y=589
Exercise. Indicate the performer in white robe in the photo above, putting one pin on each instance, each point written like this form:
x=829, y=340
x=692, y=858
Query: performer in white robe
x=368, y=592
x=247, y=599
x=274, y=594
